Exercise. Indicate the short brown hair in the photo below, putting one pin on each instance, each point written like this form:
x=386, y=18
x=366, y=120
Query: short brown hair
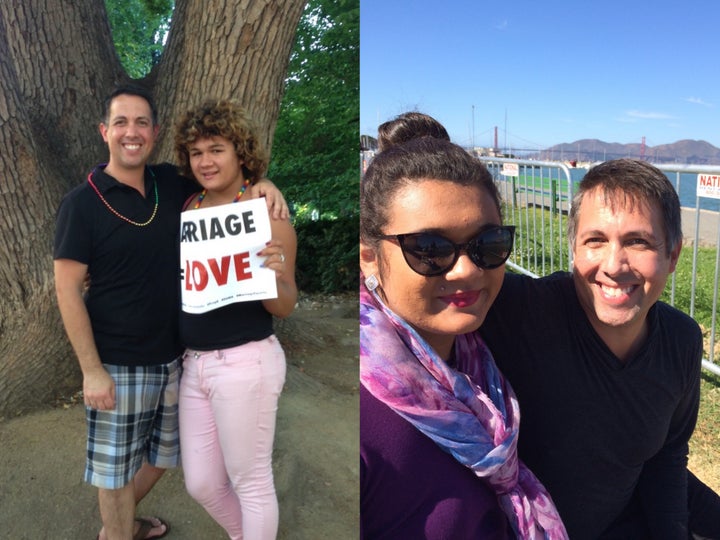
x=630, y=182
x=227, y=119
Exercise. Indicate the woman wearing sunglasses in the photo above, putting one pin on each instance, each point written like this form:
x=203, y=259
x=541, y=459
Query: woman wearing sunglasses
x=438, y=447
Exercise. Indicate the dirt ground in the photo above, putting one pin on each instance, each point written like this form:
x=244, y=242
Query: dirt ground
x=42, y=495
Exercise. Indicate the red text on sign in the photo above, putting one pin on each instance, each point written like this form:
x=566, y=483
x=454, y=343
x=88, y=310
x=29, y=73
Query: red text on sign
x=197, y=274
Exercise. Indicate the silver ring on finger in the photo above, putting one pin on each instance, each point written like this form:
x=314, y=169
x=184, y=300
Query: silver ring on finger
x=282, y=258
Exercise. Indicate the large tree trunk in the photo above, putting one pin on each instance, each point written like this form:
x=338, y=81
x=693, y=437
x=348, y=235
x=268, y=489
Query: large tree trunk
x=57, y=63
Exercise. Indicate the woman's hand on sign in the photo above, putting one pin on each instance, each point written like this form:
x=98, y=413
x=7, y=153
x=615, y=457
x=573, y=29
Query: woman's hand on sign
x=274, y=257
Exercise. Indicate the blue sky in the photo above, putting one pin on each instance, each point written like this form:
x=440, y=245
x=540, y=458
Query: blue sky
x=544, y=72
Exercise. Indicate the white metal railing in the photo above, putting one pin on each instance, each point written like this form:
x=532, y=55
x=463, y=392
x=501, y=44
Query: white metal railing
x=537, y=196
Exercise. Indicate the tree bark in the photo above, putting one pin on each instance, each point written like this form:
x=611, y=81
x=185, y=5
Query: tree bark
x=240, y=52
x=57, y=63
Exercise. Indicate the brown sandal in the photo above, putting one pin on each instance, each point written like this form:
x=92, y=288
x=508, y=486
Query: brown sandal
x=146, y=526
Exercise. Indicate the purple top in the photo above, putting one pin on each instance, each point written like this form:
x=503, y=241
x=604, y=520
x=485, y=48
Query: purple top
x=410, y=488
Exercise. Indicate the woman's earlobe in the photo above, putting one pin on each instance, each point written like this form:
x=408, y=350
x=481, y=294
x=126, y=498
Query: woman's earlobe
x=368, y=260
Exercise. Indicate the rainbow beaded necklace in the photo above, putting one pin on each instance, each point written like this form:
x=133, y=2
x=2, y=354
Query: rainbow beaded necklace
x=239, y=195
x=118, y=214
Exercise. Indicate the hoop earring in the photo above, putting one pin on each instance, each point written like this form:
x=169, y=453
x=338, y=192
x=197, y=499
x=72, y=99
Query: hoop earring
x=371, y=282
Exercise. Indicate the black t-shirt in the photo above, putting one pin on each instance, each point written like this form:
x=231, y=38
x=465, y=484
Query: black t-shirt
x=225, y=327
x=133, y=298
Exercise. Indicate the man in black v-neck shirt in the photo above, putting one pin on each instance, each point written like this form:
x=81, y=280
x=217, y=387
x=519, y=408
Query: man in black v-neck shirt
x=606, y=375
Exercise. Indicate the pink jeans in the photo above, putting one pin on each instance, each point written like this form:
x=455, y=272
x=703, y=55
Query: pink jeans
x=228, y=405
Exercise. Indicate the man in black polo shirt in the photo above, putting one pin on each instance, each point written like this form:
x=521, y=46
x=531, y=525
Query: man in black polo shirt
x=121, y=227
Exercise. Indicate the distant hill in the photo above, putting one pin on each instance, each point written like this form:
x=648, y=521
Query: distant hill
x=685, y=151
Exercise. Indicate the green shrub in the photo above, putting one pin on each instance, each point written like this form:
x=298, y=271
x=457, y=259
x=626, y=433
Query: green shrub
x=328, y=254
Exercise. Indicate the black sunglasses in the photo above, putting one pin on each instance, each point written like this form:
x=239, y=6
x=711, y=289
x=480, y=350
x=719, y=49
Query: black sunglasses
x=430, y=254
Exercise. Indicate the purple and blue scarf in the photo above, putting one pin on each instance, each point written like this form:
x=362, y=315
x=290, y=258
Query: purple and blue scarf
x=476, y=421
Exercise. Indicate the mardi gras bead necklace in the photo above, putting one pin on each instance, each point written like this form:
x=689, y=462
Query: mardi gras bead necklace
x=236, y=199
x=118, y=214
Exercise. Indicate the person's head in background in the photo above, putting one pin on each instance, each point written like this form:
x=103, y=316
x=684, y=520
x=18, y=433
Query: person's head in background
x=625, y=231
x=431, y=237
x=408, y=126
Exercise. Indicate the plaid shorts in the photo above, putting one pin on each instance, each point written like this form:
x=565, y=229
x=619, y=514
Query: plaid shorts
x=143, y=426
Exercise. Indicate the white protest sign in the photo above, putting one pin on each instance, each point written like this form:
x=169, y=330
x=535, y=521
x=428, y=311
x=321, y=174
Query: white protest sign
x=708, y=185
x=218, y=256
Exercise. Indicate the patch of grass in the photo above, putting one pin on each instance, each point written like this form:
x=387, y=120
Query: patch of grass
x=540, y=239
x=704, y=458
x=704, y=284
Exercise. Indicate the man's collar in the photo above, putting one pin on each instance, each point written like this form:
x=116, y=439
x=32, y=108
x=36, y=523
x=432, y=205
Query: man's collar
x=105, y=182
